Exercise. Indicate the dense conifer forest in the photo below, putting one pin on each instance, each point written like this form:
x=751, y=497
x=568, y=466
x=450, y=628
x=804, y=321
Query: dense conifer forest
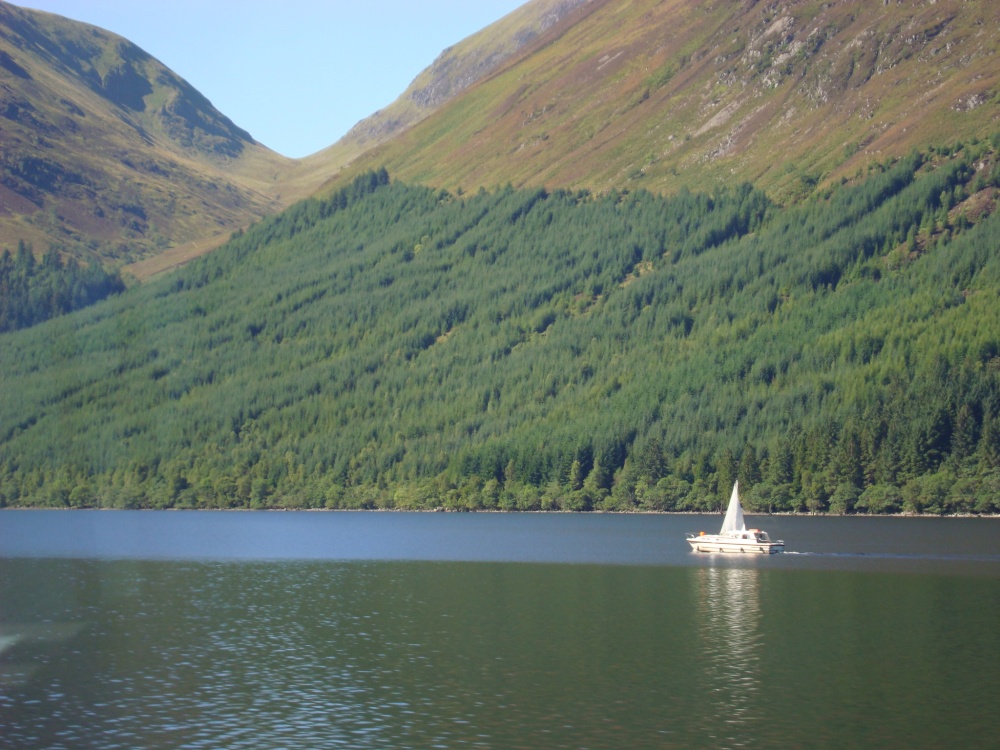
x=396, y=346
x=31, y=292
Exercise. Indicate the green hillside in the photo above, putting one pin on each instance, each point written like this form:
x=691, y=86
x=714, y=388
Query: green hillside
x=399, y=346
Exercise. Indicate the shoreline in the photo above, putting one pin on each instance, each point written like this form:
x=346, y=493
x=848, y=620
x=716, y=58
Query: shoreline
x=790, y=514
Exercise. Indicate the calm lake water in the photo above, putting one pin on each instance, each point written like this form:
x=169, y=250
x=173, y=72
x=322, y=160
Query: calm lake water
x=393, y=630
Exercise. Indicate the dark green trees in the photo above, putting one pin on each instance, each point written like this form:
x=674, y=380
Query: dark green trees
x=31, y=291
x=394, y=346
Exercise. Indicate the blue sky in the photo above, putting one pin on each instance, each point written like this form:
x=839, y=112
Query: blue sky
x=297, y=74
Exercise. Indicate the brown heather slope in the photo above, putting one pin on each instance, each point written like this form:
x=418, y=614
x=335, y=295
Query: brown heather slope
x=107, y=153
x=663, y=93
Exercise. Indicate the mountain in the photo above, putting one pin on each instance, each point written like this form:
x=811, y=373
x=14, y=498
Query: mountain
x=108, y=154
x=455, y=70
x=399, y=346
x=791, y=95
x=462, y=65
x=659, y=247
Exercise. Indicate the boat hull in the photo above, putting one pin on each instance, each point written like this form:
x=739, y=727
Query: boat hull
x=711, y=543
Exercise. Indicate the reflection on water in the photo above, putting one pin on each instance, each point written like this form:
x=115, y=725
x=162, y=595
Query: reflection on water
x=617, y=650
x=731, y=647
x=326, y=655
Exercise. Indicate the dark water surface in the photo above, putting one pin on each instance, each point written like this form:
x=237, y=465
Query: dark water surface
x=385, y=630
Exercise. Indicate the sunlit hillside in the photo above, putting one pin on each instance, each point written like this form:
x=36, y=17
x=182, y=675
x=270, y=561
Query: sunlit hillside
x=455, y=70
x=108, y=154
x=791, y=96
x=400, y=346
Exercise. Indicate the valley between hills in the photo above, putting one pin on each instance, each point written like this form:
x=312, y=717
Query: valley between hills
x=599, y=256
x=110, y=156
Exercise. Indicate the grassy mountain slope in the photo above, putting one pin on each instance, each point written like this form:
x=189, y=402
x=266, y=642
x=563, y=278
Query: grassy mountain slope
x=399, y=346
x=107, y=153
x=789, y=95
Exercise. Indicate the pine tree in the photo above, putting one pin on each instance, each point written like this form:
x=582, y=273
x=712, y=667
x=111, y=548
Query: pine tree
x=749, y=469
x=963, y=436
x=989, y=445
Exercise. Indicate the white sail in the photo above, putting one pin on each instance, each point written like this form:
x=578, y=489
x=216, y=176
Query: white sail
x=734, y=515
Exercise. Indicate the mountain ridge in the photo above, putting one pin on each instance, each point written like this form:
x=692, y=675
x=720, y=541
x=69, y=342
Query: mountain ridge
x=571, y=94
x=438, y=83
x=470, y=60
x=789, y=95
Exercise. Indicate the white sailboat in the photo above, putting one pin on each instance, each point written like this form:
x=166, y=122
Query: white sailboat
x=735, y=536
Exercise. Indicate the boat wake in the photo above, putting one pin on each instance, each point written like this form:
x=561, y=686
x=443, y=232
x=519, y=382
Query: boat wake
x=897, y=556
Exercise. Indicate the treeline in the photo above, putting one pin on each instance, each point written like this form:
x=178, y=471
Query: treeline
x=395, y=346
x=33, y=291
